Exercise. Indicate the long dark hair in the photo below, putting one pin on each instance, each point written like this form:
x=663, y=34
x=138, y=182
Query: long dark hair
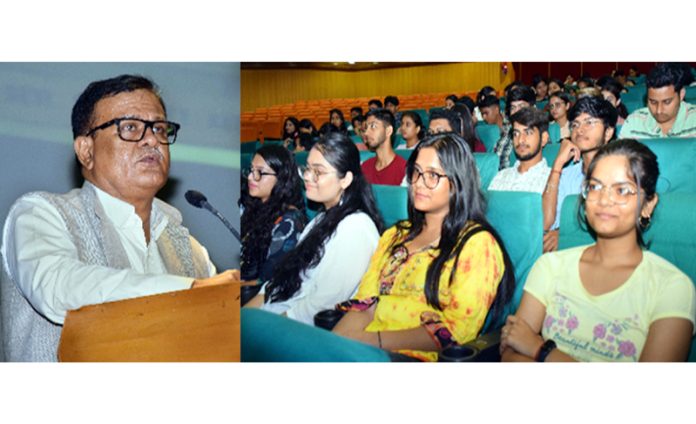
x=284, y=134
x=642, y=167
x=467, y=206
x=342, y=154
x=259, y=217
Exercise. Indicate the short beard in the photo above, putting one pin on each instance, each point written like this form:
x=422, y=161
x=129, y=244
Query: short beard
x=530, y=156
x=374, y=149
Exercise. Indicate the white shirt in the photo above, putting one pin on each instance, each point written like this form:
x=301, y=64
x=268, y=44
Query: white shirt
x=335, y=279
x=37, y=248
x=510, y=179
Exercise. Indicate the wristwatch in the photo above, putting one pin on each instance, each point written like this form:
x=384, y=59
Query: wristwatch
x=544, y=350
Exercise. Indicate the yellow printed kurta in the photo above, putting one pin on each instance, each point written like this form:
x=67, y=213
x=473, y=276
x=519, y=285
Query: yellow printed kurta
x=399, y=283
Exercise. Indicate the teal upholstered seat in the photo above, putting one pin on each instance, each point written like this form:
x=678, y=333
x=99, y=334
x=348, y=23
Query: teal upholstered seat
x=249, y=147
x=554, y=133
x=518, y=219
x=488, y=134
x=487, y=164
x=267, y=337
x=392, y=202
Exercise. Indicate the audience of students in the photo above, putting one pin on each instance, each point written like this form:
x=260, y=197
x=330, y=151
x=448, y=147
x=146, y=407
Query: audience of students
x=335, y=248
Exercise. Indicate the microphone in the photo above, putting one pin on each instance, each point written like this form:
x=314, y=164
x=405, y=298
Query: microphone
x=198, y=199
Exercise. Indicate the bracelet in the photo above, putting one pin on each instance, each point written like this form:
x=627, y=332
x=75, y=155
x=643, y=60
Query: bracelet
x=544, y=350
x=379, y=339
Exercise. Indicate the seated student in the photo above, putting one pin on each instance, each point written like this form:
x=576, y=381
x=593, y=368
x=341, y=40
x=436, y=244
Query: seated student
x=374, y=104
x=337, y=121
x=469, y=103
x=468, y=128
x=667, y=114
x=610, y=301
x=355, y=111
x=518, y=97
x=490, y=111
x=611, y=92
x=434, y=277
x=391, y=103
x=540, y=85
x=290, y=134
x=529, y=136
x=334, y=249
x=450, y=101
x=411, y=129
x=555, y=85
x=308, y=135
x=273, y=216
x=484, y=92
x=457, y=120
x=357, y=123
x=387, y=167
x=559, y=104
x=593, y=120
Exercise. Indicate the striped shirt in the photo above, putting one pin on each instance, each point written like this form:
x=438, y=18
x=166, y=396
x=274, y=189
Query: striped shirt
x=641, y=124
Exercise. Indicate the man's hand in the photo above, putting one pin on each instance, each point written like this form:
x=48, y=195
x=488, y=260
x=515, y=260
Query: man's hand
x=229, y=276
x=567, y=151
x=551, y=241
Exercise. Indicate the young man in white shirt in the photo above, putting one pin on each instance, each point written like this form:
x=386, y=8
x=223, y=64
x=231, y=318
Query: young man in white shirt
x=529, y=134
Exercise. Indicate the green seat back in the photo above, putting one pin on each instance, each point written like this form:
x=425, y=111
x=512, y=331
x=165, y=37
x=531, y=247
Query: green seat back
x=554, y=133
x=392, y=202
x=671, y=235
x=276, y=141
x=267, y=337
x=487, y=164
x=518, y=219
x=488, y=134
x=365, y=155
x=550, y=151
x=356, y=139
x=676, y=158
x=245, y=160
x=404, y=153
x=301, y=158
x=249, y=147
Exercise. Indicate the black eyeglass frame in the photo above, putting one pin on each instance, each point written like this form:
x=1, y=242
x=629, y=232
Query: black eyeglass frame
x=148, y=124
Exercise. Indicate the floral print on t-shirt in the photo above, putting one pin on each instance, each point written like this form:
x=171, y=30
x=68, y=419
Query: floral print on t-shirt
x=612, y=339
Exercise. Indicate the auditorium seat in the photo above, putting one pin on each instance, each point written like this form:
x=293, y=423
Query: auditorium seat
x=671, y=235
x=487, y=164
x=676, y=158
x=392, y=202
x=554, y=133
x=518, y=219
x=267, y=337
x=249, y=147
x=488, y=134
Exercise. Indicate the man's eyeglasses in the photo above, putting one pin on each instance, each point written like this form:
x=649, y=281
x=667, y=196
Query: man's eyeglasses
x=619, y=193
x=255, y=173
x=589, y=123
x=430, y=178
x=133, y=129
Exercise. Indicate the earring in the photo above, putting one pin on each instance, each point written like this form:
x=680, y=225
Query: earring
x=644, y=222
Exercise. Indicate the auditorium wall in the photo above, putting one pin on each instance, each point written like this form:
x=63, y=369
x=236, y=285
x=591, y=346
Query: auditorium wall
x=267, y=87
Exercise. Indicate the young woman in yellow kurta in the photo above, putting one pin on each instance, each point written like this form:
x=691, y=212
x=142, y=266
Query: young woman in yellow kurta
x=410, y=300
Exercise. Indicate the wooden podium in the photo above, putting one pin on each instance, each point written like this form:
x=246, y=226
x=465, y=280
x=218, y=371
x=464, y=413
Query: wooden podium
x=183, y=326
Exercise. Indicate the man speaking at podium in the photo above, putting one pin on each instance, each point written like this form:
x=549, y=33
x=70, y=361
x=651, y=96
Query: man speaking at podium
x=111, y=239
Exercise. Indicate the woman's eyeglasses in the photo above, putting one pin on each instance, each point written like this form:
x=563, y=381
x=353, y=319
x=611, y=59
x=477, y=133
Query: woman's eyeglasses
x=255, y=173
